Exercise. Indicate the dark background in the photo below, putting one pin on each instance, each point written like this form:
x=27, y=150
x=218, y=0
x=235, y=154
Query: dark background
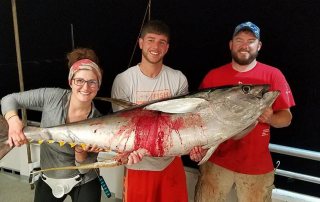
x=201, y=30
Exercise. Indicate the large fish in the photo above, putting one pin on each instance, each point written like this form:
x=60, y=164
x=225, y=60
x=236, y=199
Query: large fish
x=170, y=127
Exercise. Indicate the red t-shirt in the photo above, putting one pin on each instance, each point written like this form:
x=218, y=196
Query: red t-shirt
x=250, y=154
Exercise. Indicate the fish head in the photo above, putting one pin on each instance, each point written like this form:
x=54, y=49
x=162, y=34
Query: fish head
x=256, y=94
x=240, y=104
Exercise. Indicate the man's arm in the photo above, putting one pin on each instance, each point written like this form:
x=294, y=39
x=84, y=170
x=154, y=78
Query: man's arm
x=277, y=119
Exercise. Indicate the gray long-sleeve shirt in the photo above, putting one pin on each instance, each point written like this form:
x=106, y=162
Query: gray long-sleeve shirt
x=54, y=103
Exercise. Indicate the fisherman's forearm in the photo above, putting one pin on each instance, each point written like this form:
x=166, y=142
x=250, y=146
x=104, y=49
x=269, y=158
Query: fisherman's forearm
x=80, y=154
x=10, y=114
x=281, y=118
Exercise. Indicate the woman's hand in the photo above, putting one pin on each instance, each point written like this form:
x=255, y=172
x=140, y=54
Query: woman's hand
x=93, y=148
x=82, y=153
x=16, y=136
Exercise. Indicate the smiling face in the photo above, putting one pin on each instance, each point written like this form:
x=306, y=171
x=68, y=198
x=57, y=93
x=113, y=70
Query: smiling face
x=154, y=47
x=244, y=47
x=87, y=91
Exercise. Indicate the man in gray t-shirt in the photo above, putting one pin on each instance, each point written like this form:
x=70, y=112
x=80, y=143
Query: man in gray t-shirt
x=152, y=179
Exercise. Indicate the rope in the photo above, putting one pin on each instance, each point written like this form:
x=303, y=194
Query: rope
x=148, y=10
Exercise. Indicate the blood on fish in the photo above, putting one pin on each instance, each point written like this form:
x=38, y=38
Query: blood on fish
x=152, y=129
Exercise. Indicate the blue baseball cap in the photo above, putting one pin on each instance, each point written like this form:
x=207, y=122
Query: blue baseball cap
x=248, y=26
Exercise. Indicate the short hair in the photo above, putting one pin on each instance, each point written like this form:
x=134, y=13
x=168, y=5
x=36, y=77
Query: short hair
x=155, y=27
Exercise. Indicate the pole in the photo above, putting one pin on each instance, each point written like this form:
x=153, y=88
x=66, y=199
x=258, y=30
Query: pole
x=20, y=72
x=72, y=36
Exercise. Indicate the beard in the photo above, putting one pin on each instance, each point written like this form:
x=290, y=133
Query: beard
x=244, y=61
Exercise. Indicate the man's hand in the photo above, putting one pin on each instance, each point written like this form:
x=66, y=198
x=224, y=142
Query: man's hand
x=197, y=153
x=277, y=119
x=266, y=116
x=136, y=156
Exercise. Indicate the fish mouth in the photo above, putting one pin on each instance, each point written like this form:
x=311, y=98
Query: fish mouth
x=257, y=91
x=264, y=90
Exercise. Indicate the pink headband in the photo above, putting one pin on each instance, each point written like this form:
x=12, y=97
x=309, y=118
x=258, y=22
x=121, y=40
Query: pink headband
x=85, y=64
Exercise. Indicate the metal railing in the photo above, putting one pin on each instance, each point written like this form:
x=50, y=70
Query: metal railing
x=302, y=153
x=291, y=151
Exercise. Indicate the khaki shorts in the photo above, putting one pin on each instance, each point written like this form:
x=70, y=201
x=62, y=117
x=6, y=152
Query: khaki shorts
x=215, y=183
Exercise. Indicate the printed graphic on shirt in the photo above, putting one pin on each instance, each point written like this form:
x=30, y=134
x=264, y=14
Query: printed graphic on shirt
x=145, y=96
x=288, y=92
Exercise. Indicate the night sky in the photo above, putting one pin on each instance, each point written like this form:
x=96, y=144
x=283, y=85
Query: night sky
x=201, y=31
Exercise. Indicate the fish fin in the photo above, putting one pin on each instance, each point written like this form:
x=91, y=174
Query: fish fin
x=245, y=131
x=72, y=144
x=83, y=145
x=180, y=105
x=4, y=146
x=119, y=102
x=61, y=143
x=208, y=154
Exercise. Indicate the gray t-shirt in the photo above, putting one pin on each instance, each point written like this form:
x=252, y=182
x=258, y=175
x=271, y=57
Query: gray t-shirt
x=132, y=85
x=54, y=103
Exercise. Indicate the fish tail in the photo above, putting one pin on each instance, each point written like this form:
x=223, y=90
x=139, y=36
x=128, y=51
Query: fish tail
x=4, y=146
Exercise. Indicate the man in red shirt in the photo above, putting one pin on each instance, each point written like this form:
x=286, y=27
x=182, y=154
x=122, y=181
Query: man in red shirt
x=245, y=162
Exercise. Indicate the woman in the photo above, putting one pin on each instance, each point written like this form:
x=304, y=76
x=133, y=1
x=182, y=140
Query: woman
x=61, y=106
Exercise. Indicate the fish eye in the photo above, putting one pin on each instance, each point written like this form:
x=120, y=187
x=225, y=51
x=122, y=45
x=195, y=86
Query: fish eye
x=246, y=89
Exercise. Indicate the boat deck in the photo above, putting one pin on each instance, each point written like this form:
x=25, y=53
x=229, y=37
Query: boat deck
x=15, y=188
